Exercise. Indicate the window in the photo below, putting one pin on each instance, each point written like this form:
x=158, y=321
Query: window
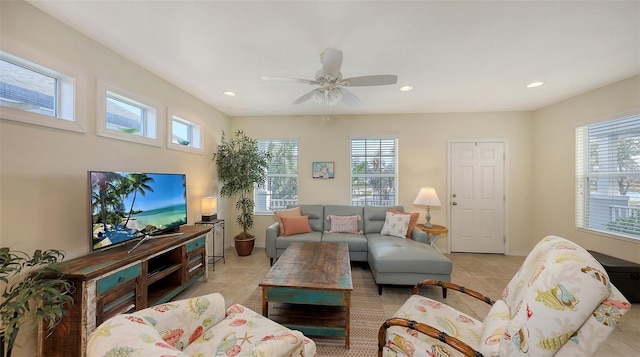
x=281, y=188
x=374, y=174
x=38, y=94
x=126, y=117
x=184, y=135
x=25, y=89
x=608, y=177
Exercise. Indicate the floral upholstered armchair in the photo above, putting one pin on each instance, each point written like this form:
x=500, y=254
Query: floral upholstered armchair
x=559, y=303
x=200, y=327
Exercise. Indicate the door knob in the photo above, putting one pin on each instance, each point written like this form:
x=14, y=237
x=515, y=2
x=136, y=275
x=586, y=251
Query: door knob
x=454, y=203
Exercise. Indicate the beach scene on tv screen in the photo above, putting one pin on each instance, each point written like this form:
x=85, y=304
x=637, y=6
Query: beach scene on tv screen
x=126, y=206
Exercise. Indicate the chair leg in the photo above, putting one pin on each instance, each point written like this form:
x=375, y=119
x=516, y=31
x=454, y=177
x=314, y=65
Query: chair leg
x=271, y=261
x=444, y=292
x=379, y=289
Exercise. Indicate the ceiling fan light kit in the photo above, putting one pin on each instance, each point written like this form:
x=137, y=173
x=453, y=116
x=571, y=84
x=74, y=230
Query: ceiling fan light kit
x=331, y=89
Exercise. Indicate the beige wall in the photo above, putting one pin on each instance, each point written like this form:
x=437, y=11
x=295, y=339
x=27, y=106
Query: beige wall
x=554, y=163
x=422, y=158
x=44, y=171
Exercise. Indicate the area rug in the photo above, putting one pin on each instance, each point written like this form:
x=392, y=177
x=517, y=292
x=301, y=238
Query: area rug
x=367, y=315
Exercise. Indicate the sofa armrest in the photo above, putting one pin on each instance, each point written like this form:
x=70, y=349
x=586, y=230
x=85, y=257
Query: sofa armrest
x=129, y=334
x=187, y=314
x=273, y=231
x=289, y=343
x=192, y=317
x=420, y=236
x=418, y=327
x=452, y=286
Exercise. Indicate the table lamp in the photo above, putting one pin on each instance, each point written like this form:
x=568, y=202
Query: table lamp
x=427, y=197
x=209, y=208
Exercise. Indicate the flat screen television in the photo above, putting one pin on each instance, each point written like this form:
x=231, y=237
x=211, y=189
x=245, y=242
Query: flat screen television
x=130, y=205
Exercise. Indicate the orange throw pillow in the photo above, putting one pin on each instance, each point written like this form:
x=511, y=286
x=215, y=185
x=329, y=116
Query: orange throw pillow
x=291, y=212
x=412, y=221
x=296, y=225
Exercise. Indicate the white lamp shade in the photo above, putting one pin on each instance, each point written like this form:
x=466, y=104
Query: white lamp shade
x=427, y=197
x=209, y=206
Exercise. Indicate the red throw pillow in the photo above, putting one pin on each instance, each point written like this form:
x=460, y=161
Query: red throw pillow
x=296, y=225
x=412, y=221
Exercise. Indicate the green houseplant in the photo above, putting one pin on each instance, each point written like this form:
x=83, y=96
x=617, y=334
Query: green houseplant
x=241, y=166
x=33, y=291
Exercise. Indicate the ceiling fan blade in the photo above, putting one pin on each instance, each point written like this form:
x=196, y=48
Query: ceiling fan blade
x=378, y=80
x=349, y=98
x=304, y=97
x=287, y=79
x=331, y=62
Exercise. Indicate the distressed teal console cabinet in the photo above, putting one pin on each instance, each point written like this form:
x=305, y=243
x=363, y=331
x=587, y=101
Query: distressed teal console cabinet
x=114, y=281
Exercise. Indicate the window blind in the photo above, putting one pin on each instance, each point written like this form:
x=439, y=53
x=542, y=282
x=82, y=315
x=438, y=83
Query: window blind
x=281, y=188
x=608, y=177
x=374, y=172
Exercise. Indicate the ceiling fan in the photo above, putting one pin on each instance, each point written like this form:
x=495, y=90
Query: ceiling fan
x=331, y=84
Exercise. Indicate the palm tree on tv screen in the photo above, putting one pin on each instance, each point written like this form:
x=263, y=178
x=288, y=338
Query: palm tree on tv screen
x=104, y=183
x=138, y=184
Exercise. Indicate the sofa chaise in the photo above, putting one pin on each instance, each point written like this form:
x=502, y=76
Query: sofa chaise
x=393, y=260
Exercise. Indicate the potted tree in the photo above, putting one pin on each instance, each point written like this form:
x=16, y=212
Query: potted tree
x=241, y=165
x=34, y=291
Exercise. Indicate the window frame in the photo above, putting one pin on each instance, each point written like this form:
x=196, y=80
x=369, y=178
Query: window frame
x=352, y=176
x=156, y=110
x=296, y=175
x=584, y=176
x=196, y=141
x=70, y=92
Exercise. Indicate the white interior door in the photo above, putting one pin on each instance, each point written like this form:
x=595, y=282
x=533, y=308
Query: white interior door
x=477, y=199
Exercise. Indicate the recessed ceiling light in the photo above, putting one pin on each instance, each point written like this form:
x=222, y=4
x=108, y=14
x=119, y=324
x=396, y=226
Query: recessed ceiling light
x=229, y=93
x=534, y=84
x=406, y=88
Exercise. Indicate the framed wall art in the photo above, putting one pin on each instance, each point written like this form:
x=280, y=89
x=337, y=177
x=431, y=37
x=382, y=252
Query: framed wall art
x=323, y=169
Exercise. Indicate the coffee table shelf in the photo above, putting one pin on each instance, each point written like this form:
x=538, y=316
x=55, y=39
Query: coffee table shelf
x=318, y=320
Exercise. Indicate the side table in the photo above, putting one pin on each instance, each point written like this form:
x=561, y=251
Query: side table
x=217, y=224
x=433, y=233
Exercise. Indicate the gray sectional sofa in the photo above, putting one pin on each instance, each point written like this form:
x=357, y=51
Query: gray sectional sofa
x=392, y=260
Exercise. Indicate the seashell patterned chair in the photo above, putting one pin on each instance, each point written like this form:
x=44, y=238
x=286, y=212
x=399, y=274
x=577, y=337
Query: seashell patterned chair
x=559, y=303
x=198, y=326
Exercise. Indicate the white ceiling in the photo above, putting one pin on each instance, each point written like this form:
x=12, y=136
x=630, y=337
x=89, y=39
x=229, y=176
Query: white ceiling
x=460, y=56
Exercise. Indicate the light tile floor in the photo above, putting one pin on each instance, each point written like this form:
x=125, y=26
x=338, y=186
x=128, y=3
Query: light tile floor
x=486, y=273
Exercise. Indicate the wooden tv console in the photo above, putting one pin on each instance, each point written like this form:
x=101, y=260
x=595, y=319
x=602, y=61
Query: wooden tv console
x=114, y=281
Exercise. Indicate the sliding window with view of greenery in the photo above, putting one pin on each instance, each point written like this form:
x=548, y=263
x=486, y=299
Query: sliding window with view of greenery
x=374, y=173
x=608, y=177
x=281, y=188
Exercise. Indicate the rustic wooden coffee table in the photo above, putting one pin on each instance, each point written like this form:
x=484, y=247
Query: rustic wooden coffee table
x=309, y=287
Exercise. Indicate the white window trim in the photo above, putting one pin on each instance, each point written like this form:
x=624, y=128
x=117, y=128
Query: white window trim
x=187, y=119
x=297, y=174
x=397, y=158
x=579, y=198
x=75, y=115
x=101, y=115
